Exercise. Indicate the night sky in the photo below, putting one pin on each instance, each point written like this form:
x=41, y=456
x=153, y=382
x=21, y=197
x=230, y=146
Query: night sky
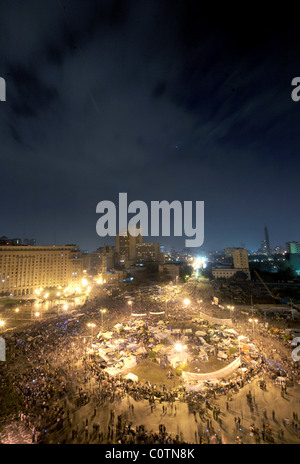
x=160, y=99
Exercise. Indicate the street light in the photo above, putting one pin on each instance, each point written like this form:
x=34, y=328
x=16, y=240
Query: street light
x=130, y=304
x=253, y=321
x=230, y=308
x=180, y=348
x=91, y=325
x=187, y=302
x=102, y=311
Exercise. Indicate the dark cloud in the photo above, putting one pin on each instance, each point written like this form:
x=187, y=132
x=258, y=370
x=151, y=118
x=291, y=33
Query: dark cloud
x=158, y=99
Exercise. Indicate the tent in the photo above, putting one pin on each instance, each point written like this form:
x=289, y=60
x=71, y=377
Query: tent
x=199, y=333
x=118, y=326
x=187, y=331
x=231, y=331
x=222, y=355
x=107, y=335
x=132, y=377
x=141, y=350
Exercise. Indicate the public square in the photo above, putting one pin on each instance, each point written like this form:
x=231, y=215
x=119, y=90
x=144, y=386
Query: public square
x=143, y=371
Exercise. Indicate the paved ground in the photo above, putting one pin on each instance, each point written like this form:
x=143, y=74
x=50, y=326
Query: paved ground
x=178, y=419
x=16, y=433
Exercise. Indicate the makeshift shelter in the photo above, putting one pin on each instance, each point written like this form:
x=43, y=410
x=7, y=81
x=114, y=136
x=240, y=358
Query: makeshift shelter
x=132, y=377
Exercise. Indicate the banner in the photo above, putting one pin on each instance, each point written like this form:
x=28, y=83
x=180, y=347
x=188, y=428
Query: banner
x=216, y=320
x=213, y=375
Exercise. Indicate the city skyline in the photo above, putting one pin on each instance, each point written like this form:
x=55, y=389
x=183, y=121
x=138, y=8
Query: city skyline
x=163, y=101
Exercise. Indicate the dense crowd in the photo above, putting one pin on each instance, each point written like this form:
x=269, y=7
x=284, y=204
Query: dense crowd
x=54, y=376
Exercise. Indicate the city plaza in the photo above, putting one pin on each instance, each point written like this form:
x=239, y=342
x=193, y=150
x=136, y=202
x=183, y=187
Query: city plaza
x=147, y=372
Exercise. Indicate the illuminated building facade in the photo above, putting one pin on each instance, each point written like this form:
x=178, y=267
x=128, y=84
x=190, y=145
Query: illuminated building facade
x=24, y=269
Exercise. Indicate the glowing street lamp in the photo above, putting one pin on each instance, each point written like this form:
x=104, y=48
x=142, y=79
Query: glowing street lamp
x=253, y=321
x=2, y=323
x=102, y=311
x=91, y=325
x=130, y=304
x=231, y=308
x=187, y=302
x=180, y=348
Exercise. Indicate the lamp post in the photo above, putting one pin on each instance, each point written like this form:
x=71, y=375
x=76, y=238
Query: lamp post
x=231, y=308
x=130, y=304
x=91, y=325
x=253, y=321
x=102, y=311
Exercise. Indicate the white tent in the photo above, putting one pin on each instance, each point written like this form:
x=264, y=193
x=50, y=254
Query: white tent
x=187, y=331
x=132, y=377
x=141, y=350
x=199, y=333
x=118, y=326
x=231, y=331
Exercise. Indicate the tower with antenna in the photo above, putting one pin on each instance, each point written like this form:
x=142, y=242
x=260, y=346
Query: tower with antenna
x=267, y=240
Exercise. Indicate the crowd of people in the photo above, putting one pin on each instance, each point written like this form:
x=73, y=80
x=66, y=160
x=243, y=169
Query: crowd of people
x=54, y=377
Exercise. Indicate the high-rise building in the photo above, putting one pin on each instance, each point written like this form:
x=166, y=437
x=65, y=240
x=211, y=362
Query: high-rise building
x=267, y=241
x=240, y=264
x=149, y=252
x=240, y=258
x=263, y=247
x=24, y=269
x=126, y=247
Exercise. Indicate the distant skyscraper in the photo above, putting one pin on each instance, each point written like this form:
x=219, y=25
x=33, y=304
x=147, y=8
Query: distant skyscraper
x=263, y=247
x=267, y=241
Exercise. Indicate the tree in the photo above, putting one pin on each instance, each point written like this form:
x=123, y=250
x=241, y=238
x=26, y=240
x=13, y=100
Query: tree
x=185, y=270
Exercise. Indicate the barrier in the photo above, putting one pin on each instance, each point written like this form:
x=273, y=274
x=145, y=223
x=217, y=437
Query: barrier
x=224, y=372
